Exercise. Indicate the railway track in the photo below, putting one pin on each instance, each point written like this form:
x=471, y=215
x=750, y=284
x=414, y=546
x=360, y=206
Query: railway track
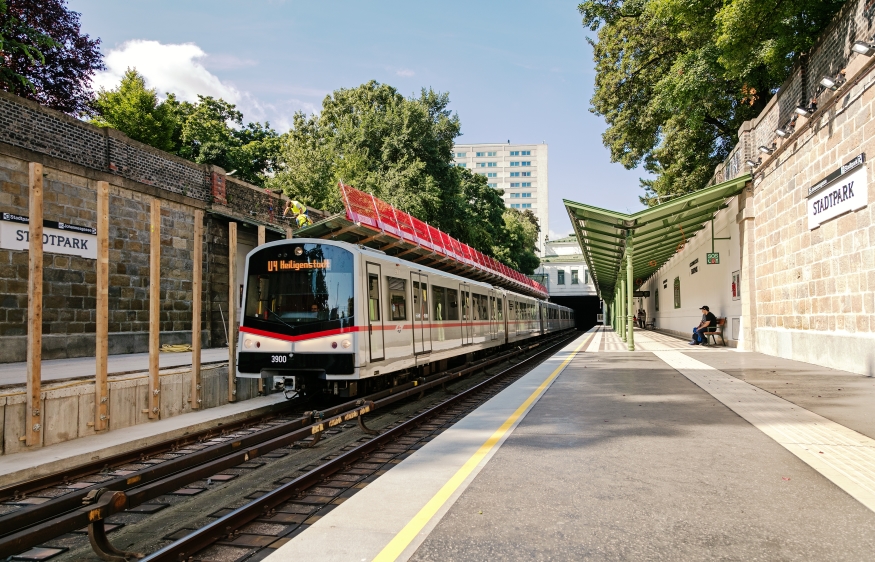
x=142, y=476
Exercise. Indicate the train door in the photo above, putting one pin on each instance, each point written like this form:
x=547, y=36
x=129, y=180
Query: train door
x=376, y=344
x=493, y=316
x=465, y=305
x=421, y=323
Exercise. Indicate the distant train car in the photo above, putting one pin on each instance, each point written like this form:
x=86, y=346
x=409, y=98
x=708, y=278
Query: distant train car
x=333, y=317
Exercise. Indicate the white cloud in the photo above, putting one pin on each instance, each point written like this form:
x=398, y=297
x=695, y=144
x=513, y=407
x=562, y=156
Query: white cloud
x=557, y=235
x=406, y=72
x=167, y=68
x=183, y=70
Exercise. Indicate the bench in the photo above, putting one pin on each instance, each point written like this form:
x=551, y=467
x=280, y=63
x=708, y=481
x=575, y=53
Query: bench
x=709, y=336
x=650, y=324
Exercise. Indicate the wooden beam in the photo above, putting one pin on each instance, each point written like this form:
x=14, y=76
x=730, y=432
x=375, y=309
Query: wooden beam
x=232, y=311
x=197, y=259
x=289, y=233
x=101, y=389
x=154, y=308
x=33, y=433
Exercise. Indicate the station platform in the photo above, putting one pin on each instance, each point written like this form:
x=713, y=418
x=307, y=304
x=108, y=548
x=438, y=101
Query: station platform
x=668, y=452
x=57, y=370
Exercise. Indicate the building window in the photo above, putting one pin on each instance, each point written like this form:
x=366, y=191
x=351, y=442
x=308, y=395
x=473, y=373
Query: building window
x=514, y=152
x=481, y=164
x=514, y=174
x=527, y=184
x=527, y=163
x=574, y=277
x=461, y=165
x=461, y=154
x=656, y=297
x=514, y=164
x=491, y=175
x=586, y=276
x=677, y=292
x=481, y=173
x=527, y=205
x=492, y=184
x=515, y=206
x=526, y=194
x=487, y=164
x=560, y=277
x=487, y=154
x=515, y=184
x=526, y=153
x=526, y=174
x=514, y=195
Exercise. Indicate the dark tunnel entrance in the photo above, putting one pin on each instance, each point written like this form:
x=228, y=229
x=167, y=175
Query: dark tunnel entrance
x=586, y=309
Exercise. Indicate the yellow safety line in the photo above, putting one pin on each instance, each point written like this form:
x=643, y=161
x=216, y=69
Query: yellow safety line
x=406, y=535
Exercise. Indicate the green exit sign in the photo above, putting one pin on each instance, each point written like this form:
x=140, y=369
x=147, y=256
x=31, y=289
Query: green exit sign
x=712, y=258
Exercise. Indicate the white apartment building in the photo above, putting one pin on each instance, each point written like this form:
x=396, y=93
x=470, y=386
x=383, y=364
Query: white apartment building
x=518, y=169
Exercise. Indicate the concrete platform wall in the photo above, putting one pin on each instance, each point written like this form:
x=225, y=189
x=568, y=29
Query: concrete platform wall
x=69, y=407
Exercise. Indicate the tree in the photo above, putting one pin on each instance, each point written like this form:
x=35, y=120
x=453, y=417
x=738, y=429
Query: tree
x=675, y=79
x=45, y=57
x=210, y=131
x=400, y=150
x=137, y=112
x=519, y=238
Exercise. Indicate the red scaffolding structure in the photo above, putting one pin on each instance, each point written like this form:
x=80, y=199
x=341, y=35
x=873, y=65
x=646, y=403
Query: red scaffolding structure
x=370, y=221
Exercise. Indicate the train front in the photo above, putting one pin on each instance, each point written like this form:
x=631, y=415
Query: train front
x=298, y=319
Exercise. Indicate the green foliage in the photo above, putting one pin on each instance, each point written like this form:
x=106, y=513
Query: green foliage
x=136, y=111
x=210, y=131
x=400, y=150
x=675, y=79
x=520, y=236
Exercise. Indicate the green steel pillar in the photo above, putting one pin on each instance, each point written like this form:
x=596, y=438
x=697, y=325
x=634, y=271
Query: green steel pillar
x=623, y=310
x=630, y=340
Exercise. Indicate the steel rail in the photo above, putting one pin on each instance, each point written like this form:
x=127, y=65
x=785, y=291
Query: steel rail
x=36, y=524
x=187, y=546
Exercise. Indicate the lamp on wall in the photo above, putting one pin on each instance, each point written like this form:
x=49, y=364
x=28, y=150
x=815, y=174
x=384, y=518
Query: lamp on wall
x=766, y=150
x=784, y=132
x=753, y=163
x=806, y=111
x=864, y=48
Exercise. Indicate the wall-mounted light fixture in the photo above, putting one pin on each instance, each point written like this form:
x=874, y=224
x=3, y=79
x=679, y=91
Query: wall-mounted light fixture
x=753, y=163
x=784, y=132
x=806, y=111
x=834, y=82
x=766, y=150
x=864, y=48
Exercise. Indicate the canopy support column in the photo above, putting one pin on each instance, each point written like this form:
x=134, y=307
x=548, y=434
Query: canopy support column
x=630, y=288
x=622, y=310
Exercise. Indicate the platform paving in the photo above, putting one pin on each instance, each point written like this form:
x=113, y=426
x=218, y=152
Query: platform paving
x=84, y=367
x=671, y=452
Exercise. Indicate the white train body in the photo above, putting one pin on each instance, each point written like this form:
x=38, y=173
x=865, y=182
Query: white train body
x=332, y=311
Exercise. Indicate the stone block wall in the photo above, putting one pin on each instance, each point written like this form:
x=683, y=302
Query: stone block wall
x=76, y=155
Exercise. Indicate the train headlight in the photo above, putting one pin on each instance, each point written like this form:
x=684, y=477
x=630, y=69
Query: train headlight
x=346, y=344
x=247, y=343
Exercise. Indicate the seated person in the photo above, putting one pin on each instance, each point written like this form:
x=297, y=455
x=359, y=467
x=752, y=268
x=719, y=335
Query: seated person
x=708, y=324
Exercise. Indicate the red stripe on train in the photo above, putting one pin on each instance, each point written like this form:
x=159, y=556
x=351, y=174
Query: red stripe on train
x=310, y=336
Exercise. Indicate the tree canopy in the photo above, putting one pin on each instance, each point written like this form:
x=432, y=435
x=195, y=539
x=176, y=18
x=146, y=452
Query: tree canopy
x=400, y=150
x=675, y=79
x=44, y=56
x=210, y=131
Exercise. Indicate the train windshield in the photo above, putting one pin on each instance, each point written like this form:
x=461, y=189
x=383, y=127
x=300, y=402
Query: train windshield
x=296, y=289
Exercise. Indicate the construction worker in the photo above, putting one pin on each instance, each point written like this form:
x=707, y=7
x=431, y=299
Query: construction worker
x=299, y=211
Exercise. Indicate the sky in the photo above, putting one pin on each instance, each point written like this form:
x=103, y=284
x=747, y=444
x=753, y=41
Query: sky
x=514, y=70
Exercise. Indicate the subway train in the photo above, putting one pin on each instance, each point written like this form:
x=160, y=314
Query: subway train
x=328, y=317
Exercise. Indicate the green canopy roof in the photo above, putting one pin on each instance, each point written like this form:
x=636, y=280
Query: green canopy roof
x=656, y=233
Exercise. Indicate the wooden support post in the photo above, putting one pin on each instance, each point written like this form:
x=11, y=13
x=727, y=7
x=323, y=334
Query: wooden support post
x=196, y=280
x=232, y=311
x=154, y=309
x=289, y=233
x=261, y=240
x=101, y=391
x=34, y=307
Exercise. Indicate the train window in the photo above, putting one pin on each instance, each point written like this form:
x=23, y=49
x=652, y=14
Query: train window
x=373, y=297
x=499, y=305
x=397, y=298
x=420, y=291
x=452, y=304
x=440, y=305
